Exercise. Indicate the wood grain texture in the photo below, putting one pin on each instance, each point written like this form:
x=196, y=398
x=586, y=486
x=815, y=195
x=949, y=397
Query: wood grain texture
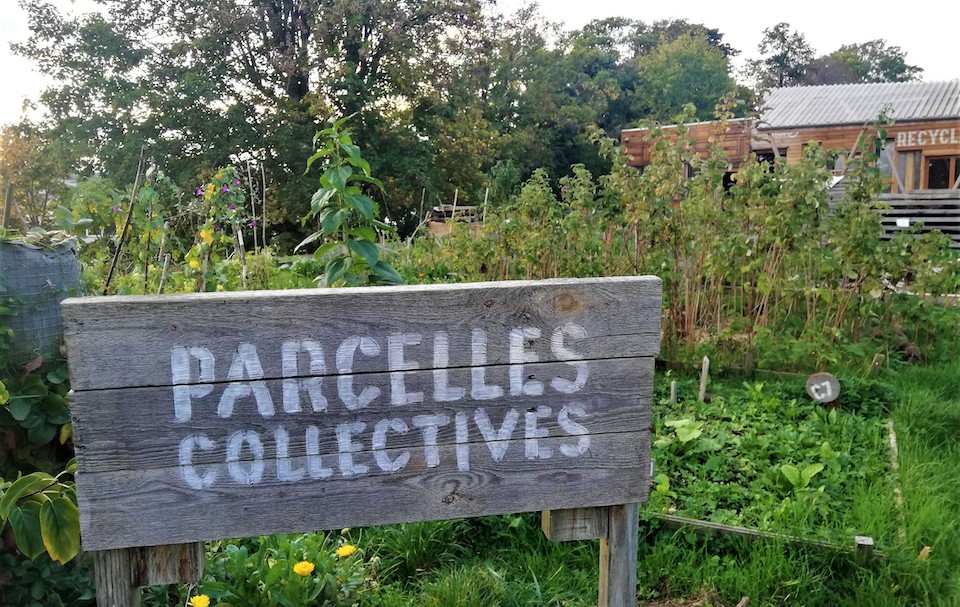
x=116, y=342
x=575, y=524
x=618, y=558
x=214, y=416
x=170, y=564
x=114, y=578
x=133, y=429
x=152, y=507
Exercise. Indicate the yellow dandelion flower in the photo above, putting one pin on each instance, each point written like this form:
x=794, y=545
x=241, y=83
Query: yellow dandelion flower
x=207, y=236
x=201, y=600
x=195, y=264
x=303, y=568
x=346, y=550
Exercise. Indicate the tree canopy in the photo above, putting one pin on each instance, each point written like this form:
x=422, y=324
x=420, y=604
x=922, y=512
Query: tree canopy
x=450, y=98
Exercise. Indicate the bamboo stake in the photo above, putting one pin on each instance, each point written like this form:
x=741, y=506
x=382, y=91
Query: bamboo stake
x=673, y=392
x=253, y=206
x=242, y=253
x=126, y=224
x=263, y=204
x=163, y=274
x=8, y=201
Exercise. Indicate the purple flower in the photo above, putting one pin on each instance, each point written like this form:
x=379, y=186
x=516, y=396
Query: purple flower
x=231, y=206
x=253, y=223
x=116, y=209
x=199, y=191
x=236, y=182
x=218, y=228
x=225, y=188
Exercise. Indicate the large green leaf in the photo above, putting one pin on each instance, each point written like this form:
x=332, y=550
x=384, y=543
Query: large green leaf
x=365, y=249
x=792, y=474
x=386, y=272
x=20, y=407
x=25, y=522
x=22, y=487
x=337, y=177
x=60, y=528
x=364, y=204
x=331, y=220
x=336, y=267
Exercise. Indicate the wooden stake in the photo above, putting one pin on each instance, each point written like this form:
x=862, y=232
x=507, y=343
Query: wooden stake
x=673, y=392
x=163, y=275
x=895, y=469
x=864, y=548
x=126, y=223
x=8, y=202
x=618, y=558
x=113, y=576
x=120, y=573
x=704, y=378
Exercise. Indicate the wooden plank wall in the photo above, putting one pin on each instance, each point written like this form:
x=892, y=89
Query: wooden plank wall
x=209, y=416
x=934, y=209
x=735, y=141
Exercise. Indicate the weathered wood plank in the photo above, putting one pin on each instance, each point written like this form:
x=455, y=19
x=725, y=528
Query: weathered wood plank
x=114, y=578
x=614, y=468
x=136, y=428
x=116, y=342
x=170, y=564
x=239, y=414
x=618, y=558
x=575, y=524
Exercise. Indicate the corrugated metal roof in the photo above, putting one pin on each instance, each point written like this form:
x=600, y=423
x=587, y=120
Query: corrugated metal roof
x=803, y=106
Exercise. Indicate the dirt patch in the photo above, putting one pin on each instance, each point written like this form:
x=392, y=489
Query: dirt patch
x=701, y=599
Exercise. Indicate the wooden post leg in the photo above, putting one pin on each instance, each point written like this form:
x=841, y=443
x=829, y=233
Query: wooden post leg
x=114, y=578
x=618, y=558
x=120, y=573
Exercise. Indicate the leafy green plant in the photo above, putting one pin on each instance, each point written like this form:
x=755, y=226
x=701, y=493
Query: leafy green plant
x=347, y=216
x=42, y=582
x=800, y=477
x=42, y=511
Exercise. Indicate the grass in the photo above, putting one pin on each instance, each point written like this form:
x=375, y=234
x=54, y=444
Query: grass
x=505, y=561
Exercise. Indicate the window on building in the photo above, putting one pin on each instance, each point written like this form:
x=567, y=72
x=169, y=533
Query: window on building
x=943, y=172
x=908, y=169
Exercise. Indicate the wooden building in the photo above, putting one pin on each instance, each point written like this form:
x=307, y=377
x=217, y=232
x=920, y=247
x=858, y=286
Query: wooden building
x=920, y=159
x=922, y=151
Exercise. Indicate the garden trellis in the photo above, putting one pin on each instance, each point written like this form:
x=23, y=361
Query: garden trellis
x=212, y=416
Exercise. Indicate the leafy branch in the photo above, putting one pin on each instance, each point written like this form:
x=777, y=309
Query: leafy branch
x=347, y=216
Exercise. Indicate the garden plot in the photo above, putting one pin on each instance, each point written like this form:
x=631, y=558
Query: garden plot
x=765, y=456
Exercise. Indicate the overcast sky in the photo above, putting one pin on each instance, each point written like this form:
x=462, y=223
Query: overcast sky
x=925, y=34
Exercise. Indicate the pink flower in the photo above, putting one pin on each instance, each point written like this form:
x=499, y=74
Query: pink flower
x=199, y=191
x=225, y=188
x=116, y=209
x=253, y=223
x=236, y=182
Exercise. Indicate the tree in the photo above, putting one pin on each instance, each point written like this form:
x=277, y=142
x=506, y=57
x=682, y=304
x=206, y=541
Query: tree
x=686, y=70
x=33, y=164
x=872, y=61
x=203, y=84
x=786, y=55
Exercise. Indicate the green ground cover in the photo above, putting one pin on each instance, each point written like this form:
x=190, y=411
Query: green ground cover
x=755, y=429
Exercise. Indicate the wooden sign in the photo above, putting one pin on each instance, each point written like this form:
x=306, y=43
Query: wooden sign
x=220, y=415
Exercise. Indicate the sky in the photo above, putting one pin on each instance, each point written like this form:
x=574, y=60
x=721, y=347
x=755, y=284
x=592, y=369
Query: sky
x=924, y=35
